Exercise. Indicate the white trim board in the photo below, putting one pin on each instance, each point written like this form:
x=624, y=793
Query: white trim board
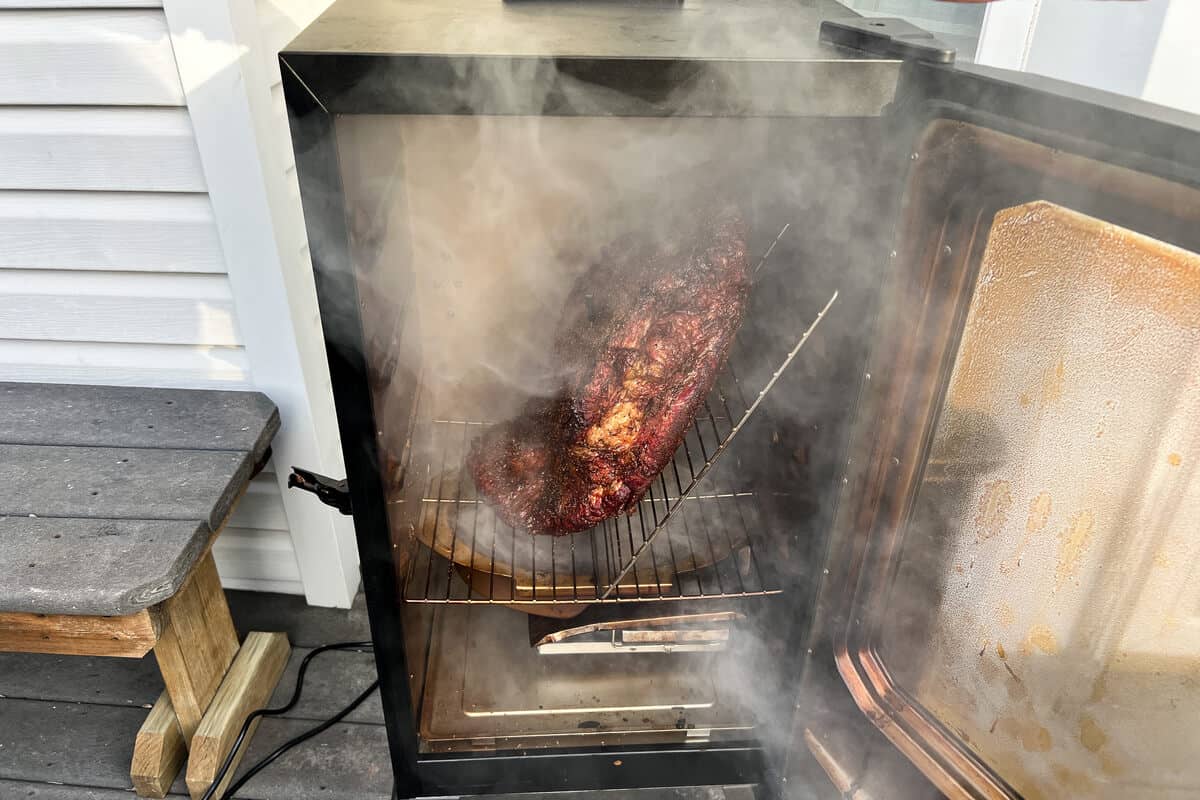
x=222, y=69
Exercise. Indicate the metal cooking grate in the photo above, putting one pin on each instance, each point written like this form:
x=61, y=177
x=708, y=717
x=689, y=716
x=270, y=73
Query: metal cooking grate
x=706, y=551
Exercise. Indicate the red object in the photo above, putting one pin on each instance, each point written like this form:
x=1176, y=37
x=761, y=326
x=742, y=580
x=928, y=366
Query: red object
x=642, y=337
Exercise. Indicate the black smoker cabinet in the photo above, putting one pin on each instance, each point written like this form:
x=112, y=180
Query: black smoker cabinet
x=762, y=618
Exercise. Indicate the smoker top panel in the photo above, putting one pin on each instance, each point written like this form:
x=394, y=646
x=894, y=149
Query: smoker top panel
x=764, y=30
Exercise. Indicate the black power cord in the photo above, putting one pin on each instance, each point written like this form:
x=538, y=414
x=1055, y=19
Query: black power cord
x=210, y=794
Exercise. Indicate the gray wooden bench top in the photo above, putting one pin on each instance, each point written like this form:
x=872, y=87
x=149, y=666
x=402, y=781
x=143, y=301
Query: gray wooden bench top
x=109, y=495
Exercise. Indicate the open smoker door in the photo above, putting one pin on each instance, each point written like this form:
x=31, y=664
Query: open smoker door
x=1012, y=596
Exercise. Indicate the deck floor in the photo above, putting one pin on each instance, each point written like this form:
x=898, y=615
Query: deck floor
x=67, y=723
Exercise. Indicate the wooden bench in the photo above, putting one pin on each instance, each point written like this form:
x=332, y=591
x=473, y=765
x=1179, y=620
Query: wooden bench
x=110, y=499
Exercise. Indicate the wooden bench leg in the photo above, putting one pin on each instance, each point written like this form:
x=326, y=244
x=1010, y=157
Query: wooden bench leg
x=249, y=684
x=196, y=645
x=158, y=751
x=211, y=686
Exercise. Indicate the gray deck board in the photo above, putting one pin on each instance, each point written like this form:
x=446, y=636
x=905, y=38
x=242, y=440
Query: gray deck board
x=305, y=626
x=124, y=416
x=41, y=791
x=23, y=790
x=333, y=680
x=346, y=762
x=67, y=723
x=90, y=745
x=77, y=559
x=80, y=679
x=86, y=745
x=120, y=483
x=664, y=793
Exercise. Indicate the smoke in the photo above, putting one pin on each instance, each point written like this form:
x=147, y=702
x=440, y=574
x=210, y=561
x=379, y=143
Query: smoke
x=469, y=229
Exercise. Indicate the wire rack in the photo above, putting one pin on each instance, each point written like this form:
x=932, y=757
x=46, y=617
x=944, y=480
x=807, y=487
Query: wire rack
x=690, y=537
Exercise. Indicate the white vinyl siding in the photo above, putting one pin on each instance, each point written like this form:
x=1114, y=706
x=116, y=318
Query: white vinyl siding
x=111, y=265
x=119, y=231
x=87, y=57
x=99, y=149
x=177, y=366
x=134, y=307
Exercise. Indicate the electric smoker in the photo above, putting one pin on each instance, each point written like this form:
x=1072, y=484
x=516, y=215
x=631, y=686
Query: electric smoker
x=930, y=529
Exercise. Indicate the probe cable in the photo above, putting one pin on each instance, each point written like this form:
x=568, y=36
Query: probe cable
x=210, y=794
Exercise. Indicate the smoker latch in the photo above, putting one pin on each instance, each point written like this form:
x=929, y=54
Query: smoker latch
x=328, y=491
x=890, y=37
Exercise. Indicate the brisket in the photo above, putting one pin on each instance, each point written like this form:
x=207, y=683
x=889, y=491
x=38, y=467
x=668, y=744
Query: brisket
x=641, y=339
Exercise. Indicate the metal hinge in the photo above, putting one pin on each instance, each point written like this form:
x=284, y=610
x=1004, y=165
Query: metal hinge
x=328, y=491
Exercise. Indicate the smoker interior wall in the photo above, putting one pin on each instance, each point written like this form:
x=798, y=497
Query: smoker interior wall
x=471, y=230
x=467, y=232
x=497, y=216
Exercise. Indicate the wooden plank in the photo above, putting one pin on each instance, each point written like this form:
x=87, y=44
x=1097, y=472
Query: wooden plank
x=167, y=365
x=656, y=793
x=119, y=416
x=70, y=743
x=333, y=679
x=51, y=791
x=102, y=567
x=158, y=751
x=90, y=746
x=197, y=644
x=306, y=626
x=130, y=636
x=263, y=790
x=350, y=760
x=80, y=679
x=92, y=306
x=247, y=686
x=98, y=149
x=127, y=231
x=100, y=57
x=121, y=483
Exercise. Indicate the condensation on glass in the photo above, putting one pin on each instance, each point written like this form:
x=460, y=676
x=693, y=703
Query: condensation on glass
x=1046, y=608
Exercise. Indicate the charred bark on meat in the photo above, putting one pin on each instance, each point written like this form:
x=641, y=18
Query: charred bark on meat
x=642, y=337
